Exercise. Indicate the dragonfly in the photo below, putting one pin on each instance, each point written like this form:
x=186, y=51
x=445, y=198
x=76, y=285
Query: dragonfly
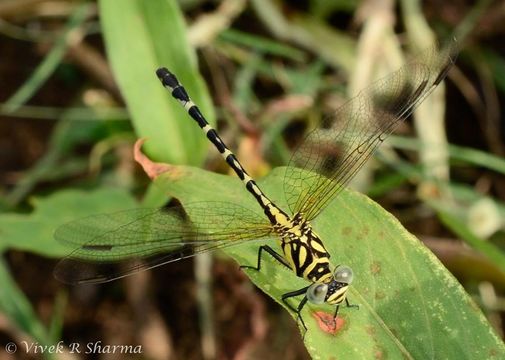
x=320, y=168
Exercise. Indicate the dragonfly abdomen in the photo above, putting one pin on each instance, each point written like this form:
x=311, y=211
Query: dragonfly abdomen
x=170, y=82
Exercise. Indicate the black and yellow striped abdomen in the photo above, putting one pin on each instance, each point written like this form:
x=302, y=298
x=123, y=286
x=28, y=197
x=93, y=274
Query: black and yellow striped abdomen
x=274, y=214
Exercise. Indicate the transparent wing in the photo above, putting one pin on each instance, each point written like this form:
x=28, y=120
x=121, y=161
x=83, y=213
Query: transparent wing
x=330, y=156
x=111, y=246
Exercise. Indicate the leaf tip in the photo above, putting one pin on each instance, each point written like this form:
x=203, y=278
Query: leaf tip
x=151, y=168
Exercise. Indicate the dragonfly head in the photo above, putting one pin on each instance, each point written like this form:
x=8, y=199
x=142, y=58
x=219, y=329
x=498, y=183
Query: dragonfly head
x=334, y=291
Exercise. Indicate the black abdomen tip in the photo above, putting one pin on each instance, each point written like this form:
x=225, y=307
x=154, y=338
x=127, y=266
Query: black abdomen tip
x=167, y=78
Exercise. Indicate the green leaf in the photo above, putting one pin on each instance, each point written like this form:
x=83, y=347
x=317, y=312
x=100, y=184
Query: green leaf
x=15, y=305
x=460, y=228
x=471, y=156
x=141, y=36
x=51, y=61
x=34, y=232
x=410, y=306
x=262, y=44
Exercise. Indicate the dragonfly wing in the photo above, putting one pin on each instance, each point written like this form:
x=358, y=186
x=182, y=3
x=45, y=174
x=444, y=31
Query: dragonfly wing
x=330, y=156
x=111, y=246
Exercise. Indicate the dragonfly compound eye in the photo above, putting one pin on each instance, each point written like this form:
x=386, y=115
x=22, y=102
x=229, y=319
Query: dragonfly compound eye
x=316, y=293
x=343, y=274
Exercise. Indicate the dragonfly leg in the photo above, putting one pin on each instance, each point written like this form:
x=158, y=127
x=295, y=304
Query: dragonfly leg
x=302, y=303
x=351, y=305
x=272, y=252
x=337, y=308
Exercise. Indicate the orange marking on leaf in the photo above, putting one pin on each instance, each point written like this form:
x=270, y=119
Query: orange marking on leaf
x=327, y=323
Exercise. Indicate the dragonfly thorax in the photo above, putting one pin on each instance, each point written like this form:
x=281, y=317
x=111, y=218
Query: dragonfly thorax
x=303, y=249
